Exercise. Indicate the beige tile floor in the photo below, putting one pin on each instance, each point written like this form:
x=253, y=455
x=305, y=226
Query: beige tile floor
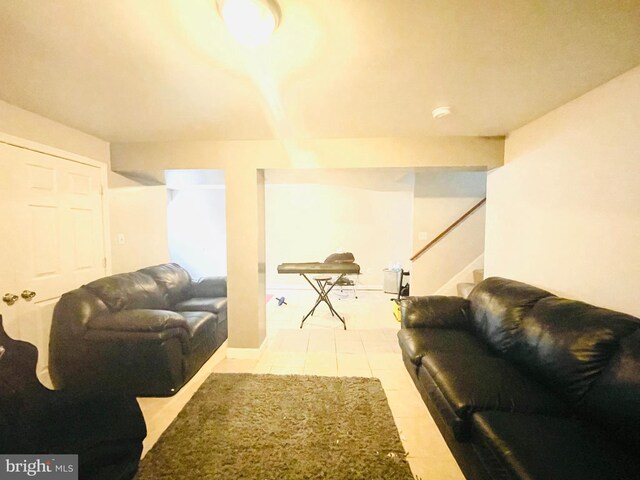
x=369, y=348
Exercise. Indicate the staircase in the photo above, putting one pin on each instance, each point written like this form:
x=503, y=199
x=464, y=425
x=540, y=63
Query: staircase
x=464, y=289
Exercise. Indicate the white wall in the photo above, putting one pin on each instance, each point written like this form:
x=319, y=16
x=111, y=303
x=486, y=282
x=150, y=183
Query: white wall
x=308, y=222
x=138, y=227
x=464, y=276
x=564, y=212
x=197, y=230
x=440, y=198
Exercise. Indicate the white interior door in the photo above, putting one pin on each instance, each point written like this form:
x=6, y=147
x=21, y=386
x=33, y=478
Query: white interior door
x=57, y=232
x=8, y=245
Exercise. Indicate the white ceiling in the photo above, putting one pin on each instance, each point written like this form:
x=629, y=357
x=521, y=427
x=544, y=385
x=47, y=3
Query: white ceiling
x=157, y=70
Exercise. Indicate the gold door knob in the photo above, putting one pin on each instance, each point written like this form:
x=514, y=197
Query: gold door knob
x=10, y=298
x=28, y=295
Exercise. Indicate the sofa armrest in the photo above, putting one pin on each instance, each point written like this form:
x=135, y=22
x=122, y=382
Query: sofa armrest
x=138, y=320
x=211, y=287
x=434, y=312
x=131, y=362
x=131, y=341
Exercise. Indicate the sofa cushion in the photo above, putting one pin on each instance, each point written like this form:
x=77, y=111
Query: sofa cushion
x=197, y=321
x=434, y=311
x=472, y=383
x=566, y=344
x=416, y=342
x=497, y=308
x=540, y=447
x=127, y=291
x=614, y=398
x=173, y=280
x=190, y=328
x=211, y=287
x=200, y=304
x=202, y=329
x=139, y=320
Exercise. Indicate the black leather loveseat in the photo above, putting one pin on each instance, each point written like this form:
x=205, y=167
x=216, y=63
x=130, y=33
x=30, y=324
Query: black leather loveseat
x=105, y=431
x=525, y=385
x=144, y=333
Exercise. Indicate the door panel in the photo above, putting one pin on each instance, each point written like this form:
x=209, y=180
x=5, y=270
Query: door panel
x=44, y=244
x=41, y=178
x=84, y=208
x=80, y=184
x=82, y=231
x=55, y=229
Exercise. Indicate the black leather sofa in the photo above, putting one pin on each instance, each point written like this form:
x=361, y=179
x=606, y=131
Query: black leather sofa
x=144, y=333
x=525, y=385
x=105, y=431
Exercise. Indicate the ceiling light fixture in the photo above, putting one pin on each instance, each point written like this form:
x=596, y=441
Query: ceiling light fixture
x=251, y=22
x=441, y=112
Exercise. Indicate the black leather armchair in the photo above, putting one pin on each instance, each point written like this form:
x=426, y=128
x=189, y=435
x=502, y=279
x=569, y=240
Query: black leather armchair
x=105, y=431
x=144, y=333
x=525, y=385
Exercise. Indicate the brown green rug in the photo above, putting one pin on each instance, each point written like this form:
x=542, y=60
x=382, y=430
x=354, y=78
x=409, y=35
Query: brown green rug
x=244, y=426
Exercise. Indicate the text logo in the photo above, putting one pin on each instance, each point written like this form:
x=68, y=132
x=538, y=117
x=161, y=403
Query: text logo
x=49, y=467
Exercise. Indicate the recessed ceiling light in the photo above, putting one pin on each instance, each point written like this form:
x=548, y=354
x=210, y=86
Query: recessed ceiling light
x=441, y=112
x=251, y=22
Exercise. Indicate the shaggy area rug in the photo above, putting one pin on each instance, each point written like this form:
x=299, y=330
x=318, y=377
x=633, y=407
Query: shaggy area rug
x=245, y=426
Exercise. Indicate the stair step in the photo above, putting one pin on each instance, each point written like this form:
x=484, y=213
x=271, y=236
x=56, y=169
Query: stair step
x=478, y=275
x=464, y=289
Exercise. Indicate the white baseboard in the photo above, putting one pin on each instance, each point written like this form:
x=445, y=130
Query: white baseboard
x=247, y=353
x=220, y=354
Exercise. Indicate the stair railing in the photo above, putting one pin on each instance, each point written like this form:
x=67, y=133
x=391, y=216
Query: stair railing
x=448, y=229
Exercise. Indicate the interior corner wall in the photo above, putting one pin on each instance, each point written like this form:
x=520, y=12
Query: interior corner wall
x=138, y=217
x=440, y=198
x=564, y=211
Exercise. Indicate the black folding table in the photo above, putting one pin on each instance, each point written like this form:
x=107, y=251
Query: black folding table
x=323, y=286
